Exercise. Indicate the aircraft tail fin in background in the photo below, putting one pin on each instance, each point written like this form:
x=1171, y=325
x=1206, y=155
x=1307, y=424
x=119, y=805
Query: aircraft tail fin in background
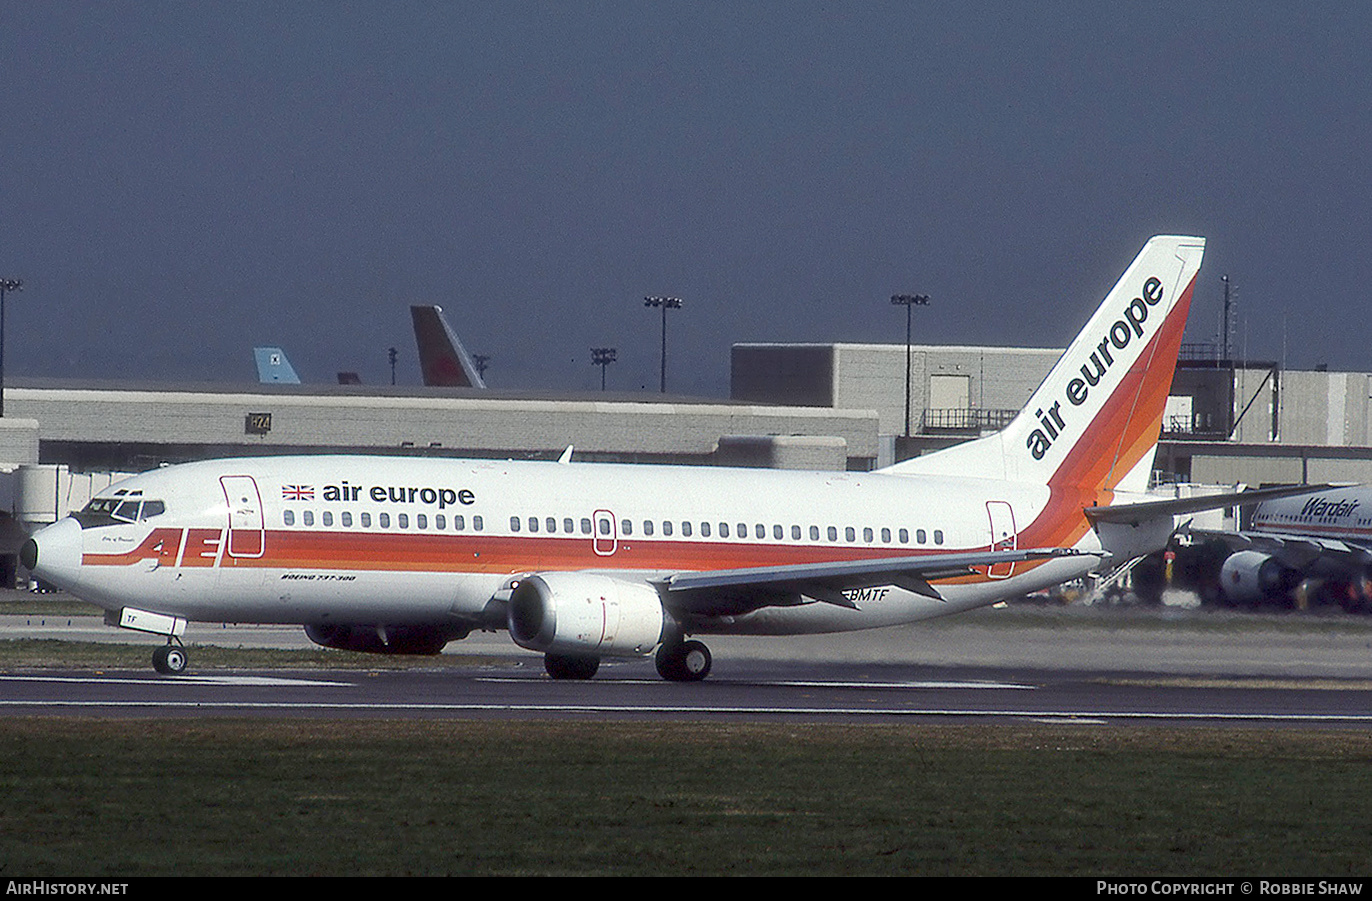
x=273, y=367
x=1093, y=424
x=442, y=358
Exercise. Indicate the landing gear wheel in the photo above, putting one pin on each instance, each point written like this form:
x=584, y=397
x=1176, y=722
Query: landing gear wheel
x=169, y=660
x=686, y=662
x=564, y=667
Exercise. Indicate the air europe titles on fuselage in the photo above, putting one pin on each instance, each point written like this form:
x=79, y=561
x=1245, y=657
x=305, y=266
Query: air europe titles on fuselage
x=1123, y=330
x=381, y=494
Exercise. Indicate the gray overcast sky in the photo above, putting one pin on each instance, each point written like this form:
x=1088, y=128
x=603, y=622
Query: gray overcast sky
x=180, y=181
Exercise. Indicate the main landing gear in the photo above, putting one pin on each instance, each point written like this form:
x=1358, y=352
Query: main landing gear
x=677, y=661
x=683, y=661
x=169, y=660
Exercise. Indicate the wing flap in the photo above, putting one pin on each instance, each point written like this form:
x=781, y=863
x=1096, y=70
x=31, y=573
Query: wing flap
x=826, y=582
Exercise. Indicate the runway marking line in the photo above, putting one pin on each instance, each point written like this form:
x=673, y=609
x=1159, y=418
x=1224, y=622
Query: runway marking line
x=1048, y=716
x=231, y=681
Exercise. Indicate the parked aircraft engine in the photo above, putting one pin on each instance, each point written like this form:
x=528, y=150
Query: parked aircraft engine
x=582, y=614
x=1252, y=577
x=384, y=639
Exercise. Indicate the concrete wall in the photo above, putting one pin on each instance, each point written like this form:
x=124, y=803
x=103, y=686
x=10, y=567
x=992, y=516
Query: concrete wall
x=195, y=422
x=18, y=441
x=872, y=376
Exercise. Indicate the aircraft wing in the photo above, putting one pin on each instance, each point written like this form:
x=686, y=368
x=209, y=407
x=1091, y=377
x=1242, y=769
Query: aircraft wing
x=707, y=592
x=1294, y=548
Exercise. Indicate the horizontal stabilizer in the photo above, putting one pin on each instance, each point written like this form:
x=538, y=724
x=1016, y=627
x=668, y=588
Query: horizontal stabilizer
x=1134, y=514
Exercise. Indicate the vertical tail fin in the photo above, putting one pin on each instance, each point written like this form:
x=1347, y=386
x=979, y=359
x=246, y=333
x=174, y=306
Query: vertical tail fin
x=1093, y=423
x=272, y=366
x=443, y=359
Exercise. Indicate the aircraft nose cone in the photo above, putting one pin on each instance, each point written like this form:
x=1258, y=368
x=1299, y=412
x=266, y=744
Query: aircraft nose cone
x=54, y=553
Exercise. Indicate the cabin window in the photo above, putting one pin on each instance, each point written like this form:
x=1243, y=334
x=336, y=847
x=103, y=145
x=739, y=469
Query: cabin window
x=667, y=527
x=921, y=536
x=307, y=517
x=383, y=520
x=849, y=533
x=459, y=523
x=886, y=536
x=402, y=520
x=724, y=530
x=743, y=530
x=440, y=521
x=795, y=533
x=421, y=521
x=551, y=524
x=833, y=533
x=938, y=536
x=904, y=536
x=705, y=530
x=569, y=526
x=153, y=508
x=478, y=523
x=346, y=519
x=533, y=523
x=686, y=529
x=604, y=526
x=514, y=523
x=867, y=535
x=585, y=526
x=647, y=527
x=288, y=517
x=366, y=520
x=814, y=533
x=778, y=533
x=626, y=527
x=326, y=518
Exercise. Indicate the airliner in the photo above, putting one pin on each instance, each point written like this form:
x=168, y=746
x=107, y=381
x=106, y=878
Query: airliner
x=1312, y=549
x=582, y=561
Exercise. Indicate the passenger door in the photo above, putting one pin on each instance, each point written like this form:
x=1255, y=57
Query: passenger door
x=247, y=529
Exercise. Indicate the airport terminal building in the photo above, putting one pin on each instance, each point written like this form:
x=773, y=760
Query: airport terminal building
x=811, y=406
x=1227, y=421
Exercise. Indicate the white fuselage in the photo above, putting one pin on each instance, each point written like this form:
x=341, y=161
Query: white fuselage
x=353, y=539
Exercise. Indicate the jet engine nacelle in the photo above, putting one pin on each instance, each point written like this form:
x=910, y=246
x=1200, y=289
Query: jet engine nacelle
x=373, y=639
x=585, y=614
x=1252, y=577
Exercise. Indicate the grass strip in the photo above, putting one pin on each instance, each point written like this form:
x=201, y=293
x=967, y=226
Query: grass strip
x=373, y=797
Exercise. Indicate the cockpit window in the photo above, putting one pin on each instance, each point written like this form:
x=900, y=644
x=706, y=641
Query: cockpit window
x=111, y=511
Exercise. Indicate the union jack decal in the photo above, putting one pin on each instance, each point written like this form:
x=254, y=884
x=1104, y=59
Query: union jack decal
x=297, y=492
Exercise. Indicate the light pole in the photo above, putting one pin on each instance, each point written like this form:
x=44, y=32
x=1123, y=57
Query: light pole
x=392, y=354
x=908, y=301
x=666, y=303
x=6, y=285
x=602, y=357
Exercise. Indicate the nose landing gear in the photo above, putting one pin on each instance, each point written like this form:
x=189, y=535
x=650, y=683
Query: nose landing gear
x=169, y=660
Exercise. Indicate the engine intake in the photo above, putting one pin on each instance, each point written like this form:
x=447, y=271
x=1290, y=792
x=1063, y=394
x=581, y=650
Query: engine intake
x=582, y=613
x=1252, y=577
